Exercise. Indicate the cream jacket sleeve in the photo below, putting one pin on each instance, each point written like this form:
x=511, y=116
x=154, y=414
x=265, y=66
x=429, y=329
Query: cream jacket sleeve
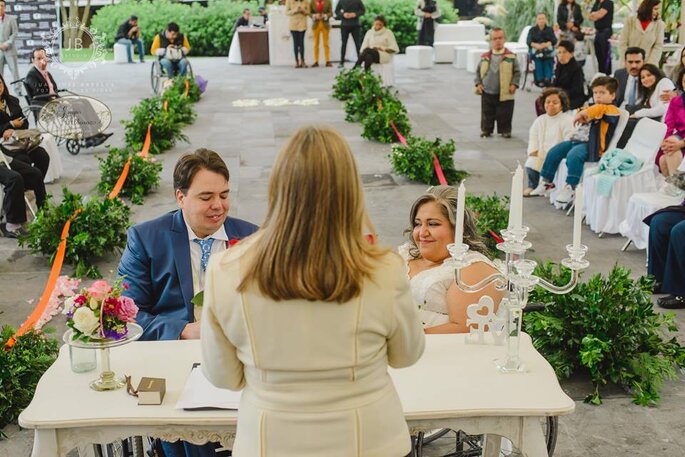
x=407, y=340
x=220, y=361
x=533, y=136
x=657, y=107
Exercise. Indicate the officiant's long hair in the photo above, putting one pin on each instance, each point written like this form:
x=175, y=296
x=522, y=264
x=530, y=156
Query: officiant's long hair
x=312, y=244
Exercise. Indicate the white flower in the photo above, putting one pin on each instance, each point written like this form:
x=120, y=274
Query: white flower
x=69, y=304
x=85, y=321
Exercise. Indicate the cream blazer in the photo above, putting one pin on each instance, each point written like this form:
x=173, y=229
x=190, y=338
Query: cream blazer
x=314, y=374
x=298, y=10
x=651, y=40
x=385, y=39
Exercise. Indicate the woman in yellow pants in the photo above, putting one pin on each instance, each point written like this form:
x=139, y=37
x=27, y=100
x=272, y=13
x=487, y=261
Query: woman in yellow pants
x=321, y=11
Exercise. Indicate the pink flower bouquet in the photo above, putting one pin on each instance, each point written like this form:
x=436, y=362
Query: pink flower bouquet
x=100, y=312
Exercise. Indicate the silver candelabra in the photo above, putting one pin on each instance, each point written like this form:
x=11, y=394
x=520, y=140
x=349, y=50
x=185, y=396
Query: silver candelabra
x=516, y=278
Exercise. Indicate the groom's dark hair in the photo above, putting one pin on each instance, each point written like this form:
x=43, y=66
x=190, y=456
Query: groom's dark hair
x=189, y=164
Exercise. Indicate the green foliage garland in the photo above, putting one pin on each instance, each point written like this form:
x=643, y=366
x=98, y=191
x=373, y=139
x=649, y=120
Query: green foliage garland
x=492, y=214
x=99, y=229
x=143, y=174
x=377, y=124
x=608, y=327
x=20, y=370
x=346, y=83
x=415, y=161
x=166, y=129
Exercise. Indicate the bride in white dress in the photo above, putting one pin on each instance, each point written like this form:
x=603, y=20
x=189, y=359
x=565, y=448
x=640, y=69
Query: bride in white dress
x=442, y=304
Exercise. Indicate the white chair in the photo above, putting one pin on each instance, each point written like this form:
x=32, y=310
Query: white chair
x=604, y=214
x=386, y=71
x=419, y=57
x=120, y=53
x=640, y=206
x=562, y=171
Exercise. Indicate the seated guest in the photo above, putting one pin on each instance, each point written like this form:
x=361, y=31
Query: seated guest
x=244, y=20
x=652, y=84
x=262, y=12
x=569, y=75
x=666, y=252
x=672, y=149
x=679, y=66
x=128, y=35
x=165, y=258
x=602, y=118
x=11, y=119
x=541, y=41
x=441, y=302
x=171, y=48
x=548, y=130
x=42, y=88
x=306, y=316
x=15, y=181
x=629, y=78
x=378, y=46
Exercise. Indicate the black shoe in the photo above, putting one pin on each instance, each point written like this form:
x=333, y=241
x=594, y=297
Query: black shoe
x=341, y=65
x=671, y=302
x=657, y=288
x=485, y=135
x=21, y=231
x=506, y=135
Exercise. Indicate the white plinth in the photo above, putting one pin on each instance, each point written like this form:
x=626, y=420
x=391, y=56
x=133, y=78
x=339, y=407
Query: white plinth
x=120, y=54
x=472, y=59
x=419, y=57
x=461, y=53
x=386, y=71
x=462, y=31
x=443, y=51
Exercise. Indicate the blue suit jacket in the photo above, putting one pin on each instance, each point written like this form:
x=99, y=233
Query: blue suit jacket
x=156, y=264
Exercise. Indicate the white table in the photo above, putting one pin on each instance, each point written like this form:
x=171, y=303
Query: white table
x=454, y=385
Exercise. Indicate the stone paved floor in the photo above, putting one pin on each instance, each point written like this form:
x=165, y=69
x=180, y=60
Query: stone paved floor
x=440, y=103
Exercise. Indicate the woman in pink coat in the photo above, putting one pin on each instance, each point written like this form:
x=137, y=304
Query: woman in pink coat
x=672, y=149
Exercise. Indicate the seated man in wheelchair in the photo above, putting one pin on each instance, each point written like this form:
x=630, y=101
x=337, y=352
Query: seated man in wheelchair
x=171, y=48
x=41, y=88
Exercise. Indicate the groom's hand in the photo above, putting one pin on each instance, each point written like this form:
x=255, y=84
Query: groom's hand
x=191, y=331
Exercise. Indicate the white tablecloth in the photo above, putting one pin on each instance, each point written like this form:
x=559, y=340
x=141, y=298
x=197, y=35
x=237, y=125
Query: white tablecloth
x=640, y=206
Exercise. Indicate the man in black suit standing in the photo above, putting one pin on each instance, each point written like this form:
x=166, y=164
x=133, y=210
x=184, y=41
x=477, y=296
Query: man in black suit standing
x=629, y=77
x=349, y=12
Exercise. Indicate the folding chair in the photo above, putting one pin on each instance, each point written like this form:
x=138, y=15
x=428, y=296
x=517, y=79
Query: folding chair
x=604, y=214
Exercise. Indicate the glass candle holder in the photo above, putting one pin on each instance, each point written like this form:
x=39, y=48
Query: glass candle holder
x=82, y=360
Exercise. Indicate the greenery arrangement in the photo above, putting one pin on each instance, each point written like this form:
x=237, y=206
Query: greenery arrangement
x=401, y=19
x=378, y=123
x=166, y=130
x=347, y=82
x=492, y=214
x=20, y=370
x=99, y=229
x=364, y=96
x=143, y=174
x=608, y=327
x=193, y=95
x=415, y=161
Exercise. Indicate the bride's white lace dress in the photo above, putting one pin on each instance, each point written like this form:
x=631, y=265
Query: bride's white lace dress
x=429, y=287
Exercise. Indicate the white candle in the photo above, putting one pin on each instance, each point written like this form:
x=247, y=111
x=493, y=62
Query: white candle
x=516, y=199
x=459, y=225
x=578, y=216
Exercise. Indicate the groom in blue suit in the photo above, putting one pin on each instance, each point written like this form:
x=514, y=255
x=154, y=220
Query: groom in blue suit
x=165, y=258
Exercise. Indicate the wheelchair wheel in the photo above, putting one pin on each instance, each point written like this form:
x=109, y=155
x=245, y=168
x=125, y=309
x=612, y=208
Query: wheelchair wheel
x=74, y=147
x=156, y=76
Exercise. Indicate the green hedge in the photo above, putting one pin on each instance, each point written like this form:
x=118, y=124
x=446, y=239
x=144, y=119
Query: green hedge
x=210, y=29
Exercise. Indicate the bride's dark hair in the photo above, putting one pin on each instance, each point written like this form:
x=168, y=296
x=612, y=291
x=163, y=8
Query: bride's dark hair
x=446, y=197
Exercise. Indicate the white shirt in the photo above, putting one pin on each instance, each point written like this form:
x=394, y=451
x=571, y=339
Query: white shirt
x=220, y=244
x=632, y=83
x=657, y=108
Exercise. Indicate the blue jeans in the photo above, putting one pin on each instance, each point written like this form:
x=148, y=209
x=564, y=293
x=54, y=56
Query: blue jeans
x=183, y=449
x=544, y=67
x=168, y=66
x=533, y=177
x=575, y=154
x=129, y=48
x=667, y=251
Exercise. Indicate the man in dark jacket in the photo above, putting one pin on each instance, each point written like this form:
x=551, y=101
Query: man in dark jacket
x=128, y=35
x=569, y=74
x=349, y=12
x=541, y=41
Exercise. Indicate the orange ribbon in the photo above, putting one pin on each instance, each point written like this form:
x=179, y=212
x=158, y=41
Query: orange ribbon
x=146, y=143
x=120, y=182
x=166, y=105
x=187, y=84
x=49, y=287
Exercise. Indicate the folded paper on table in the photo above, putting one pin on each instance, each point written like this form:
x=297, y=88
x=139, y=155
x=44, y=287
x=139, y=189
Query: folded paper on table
x=198, y=393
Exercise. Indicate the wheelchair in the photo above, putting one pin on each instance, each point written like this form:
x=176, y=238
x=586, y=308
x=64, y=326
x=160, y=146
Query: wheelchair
x=157, y=74
x=35, y=104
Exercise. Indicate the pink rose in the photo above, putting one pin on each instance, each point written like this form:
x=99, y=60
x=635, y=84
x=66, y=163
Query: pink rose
x=99, y=290
x=127, y=309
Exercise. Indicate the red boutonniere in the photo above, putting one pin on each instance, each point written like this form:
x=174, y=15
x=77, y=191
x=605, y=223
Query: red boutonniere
x=233, y=242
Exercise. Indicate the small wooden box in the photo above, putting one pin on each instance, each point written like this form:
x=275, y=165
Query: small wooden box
x=151, y=391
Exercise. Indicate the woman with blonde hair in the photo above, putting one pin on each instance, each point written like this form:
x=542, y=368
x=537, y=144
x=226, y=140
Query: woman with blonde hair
x=442, y=303
x=306, y=315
